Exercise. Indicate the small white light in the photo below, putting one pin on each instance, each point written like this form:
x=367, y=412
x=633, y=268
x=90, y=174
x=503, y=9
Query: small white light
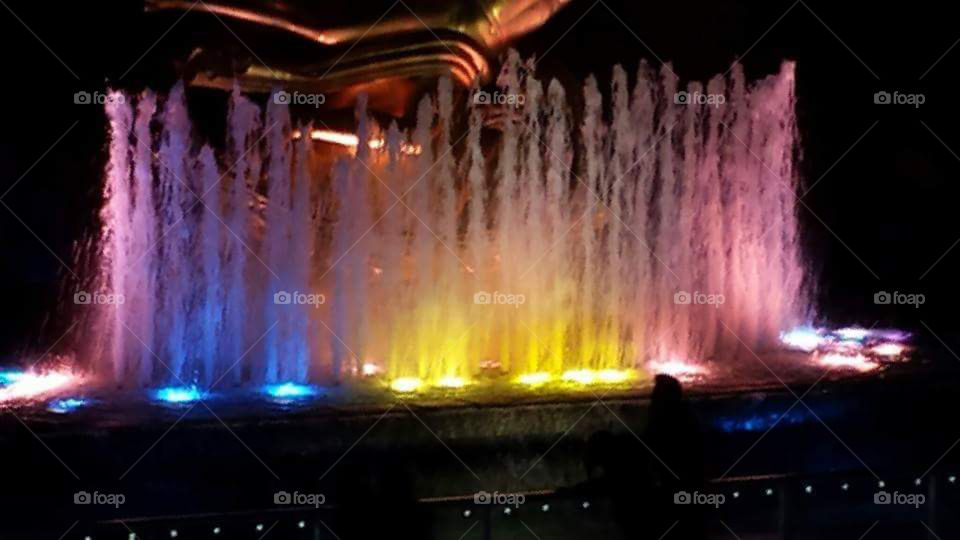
x=845, y=486
x=301, y=524
x=132, y=536
x=736, y=494
x=174, y=533
x=768, y=492
x=808, y=489
x=467, y=513
x=882, y=484
x=216, y=530
x=585, y=505
x=545, y=508
x=507, y=511
x=259, y=527
x=916, y=482
x=952, y=479
x=87, y=538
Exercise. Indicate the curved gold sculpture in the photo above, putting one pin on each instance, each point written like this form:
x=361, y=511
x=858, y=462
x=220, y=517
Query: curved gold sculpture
x=348, y=46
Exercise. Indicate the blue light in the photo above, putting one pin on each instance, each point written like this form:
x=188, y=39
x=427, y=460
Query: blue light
x=11, y=376
x=180, y=394
x=68, y=405
x=290, y=390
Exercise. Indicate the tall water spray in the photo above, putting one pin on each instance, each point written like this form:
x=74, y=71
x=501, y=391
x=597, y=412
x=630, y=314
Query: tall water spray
x=667, y=232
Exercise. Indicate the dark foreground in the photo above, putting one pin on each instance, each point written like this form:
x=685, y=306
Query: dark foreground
x=778, y=462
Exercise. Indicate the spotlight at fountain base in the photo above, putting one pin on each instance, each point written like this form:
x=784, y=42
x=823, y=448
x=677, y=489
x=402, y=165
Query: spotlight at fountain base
x=26, y=386
x=179, y=394
x=406, y=385
x=67, y=405
x=291, y=390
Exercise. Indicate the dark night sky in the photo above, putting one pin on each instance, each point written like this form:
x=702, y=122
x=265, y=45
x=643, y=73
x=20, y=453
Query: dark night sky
x=883, y=210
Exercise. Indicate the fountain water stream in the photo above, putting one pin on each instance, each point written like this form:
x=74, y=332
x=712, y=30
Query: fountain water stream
x=666, y=233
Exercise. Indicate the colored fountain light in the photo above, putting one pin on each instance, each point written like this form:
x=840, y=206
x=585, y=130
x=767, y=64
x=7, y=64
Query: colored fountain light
x=180, y=394
x=856, y=361
x=538, y=267
x=451, y=382
x=803, y=338
x=27, y=386
x=615, y=376
x=370, y=369
x=603, y=376
x=11, y=376
x=582, y=376
x=853, y=333
x=406, y=384
x=888, y=350
x=678, y=369
x=534, y=379
x=290, y=390
x=67, y=405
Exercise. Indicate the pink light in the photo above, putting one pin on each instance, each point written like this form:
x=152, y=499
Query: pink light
x=677, y=369
x=856, y=362
x=36, y=385
x=888, y=349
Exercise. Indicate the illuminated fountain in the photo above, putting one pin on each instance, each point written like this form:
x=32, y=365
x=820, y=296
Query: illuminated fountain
x=574, y=251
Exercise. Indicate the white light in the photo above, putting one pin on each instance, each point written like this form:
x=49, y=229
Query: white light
x=736, y=494
x=467, y=513
x=216, y=530
x=769, y=492
x=882, y=484
x=853, y=332
x=916, y=482
x=845, y=486
x=857, y=362
x=585, y=505
x=803, y=338
x=259, y=526
x=808, y=489
x=301, y=524
x=507, y=511
x=545, y=508
x=888, y=349
x=174, y=533
x=952, y=479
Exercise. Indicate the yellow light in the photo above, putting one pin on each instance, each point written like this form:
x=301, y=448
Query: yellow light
x=612, y=376
x=451, y=382
x=534, y=379
x=370, y=369
x=582, y=376
x=336, y=137
x=405, y=384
